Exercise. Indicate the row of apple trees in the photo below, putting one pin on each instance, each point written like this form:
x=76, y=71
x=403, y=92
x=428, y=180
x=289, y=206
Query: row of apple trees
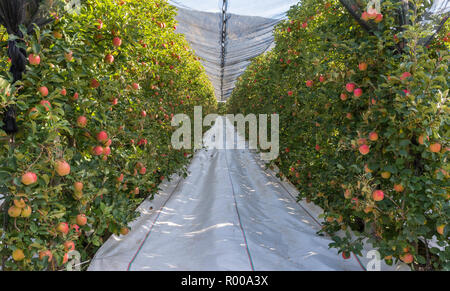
x=364, y=125
x=94, y=112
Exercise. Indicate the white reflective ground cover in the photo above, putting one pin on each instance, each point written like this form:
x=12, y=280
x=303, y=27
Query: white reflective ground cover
x=228, y=214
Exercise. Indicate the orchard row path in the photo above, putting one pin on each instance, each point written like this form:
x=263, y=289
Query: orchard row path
x=229, y=213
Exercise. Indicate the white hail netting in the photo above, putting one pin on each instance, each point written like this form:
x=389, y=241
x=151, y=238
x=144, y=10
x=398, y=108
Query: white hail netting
x=249, y=28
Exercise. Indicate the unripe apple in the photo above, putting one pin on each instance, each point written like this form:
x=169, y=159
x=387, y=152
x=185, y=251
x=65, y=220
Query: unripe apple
x=399, y=188
x=62, y=168
x=82, y=121
x=440, y=229
x=14, y=211
x=26, y=212
x=81, y=219
x=364, y=149
x=407, y=258
x=378, y=195
x=386, y=175
x=57, y=34
x=362, y=66
x=29, y=178
x=124, y=231
x=373, y=136
x=18, y=255
x=69, y=246
x=69, y=56
x=46, y=254
x=63, y=228
x=20, y=203
x=347, y=194
x=34, y=60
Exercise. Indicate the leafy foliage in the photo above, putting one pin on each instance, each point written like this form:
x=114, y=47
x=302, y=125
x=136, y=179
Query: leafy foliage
x=389, y=131
x=128, y=89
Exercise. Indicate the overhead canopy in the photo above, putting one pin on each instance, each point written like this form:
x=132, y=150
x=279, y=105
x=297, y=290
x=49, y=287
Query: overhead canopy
x=226, y=35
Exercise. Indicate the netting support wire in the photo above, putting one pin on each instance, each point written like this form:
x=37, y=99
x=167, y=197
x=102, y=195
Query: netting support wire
x=356, y=13
x=223, y=47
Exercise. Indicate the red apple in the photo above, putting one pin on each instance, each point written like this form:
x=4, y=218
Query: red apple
x=136, y=86
x=358, y=92
x=75, y=96
x=62, y=168
x=94, y=83
x=309, y=83
x=44, y=91
x=373, y=136
x=46, y=105
x=364, y=149
x=362, y=66
x=102, y=136
x=435, y=147
x=34, y=60
x=379, y=18
x=405, y=75
x=365, y=16
x=109, y=59
x=98, y=150
x=117, y=41
x=81, y=219
x=378, y=195
x=350, y=87
x=82, y=121
x=106, y=151
x=29, y=178
x=63, y=227
x=78, y=186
